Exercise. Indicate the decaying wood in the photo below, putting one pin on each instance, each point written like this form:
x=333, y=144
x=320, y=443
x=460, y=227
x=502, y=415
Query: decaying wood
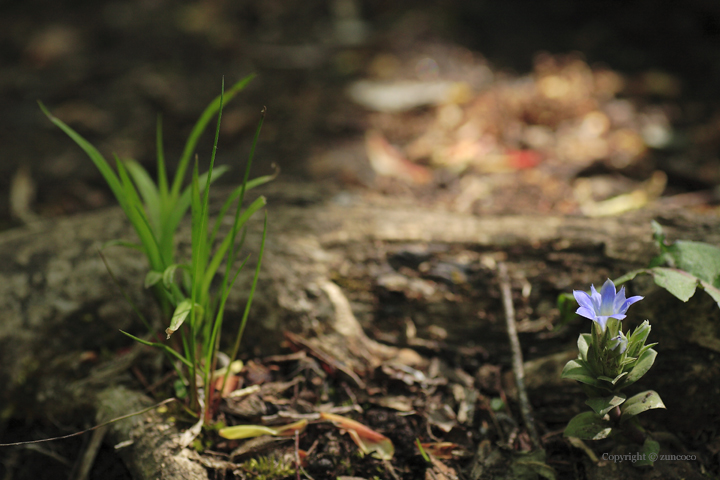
x=146, y=443
x=57, y=301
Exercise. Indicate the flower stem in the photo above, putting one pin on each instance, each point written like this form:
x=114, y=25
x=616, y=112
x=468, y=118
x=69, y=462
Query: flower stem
x=630, y=430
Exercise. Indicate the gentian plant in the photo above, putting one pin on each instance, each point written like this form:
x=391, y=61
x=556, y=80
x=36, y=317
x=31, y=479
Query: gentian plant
x=608, y=362
x=155, y=211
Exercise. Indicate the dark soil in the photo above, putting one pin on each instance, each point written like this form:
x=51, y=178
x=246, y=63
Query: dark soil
x=108, y=68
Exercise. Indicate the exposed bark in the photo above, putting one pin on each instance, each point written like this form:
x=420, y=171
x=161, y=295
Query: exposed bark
x=57, y=300
x=151, y=451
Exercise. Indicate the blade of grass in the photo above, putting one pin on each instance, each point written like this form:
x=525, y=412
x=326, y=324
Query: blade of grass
x=199, y=128
x=217, y=258
x=230, y=261
x=241, y=330
x=204, y=212
x=161, y=346
x=243, y=186
x=136, y=215
x=198, y=237
x=162, y=172
x=179, y=209
x=256, y=182
x=99, y=161
x=239, y=220
x=206, y=193
x=213, y=345
x=148, y=191
x=123, y=243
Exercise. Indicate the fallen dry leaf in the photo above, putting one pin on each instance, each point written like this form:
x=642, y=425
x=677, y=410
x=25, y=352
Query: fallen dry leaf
x=387, y=161
x=367, y=439
x=250, y=431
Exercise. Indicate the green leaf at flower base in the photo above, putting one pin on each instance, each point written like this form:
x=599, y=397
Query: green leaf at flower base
x=612, y=381
x=578, y=370
x=583, y=343
x=639, y=403
x=650, y=451
x=636, y=342
x=643, y=364
x=588, y=426
x=591, y=391
x=603, y=405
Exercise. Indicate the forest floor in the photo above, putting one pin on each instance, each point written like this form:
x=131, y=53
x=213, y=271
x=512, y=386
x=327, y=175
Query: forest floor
x=459, y=109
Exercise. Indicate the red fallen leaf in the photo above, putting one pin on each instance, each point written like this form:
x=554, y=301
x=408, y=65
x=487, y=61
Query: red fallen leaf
x=523, y=159
x=302, y=455
x=367, y=439
x=230, y=386
x=387, y=160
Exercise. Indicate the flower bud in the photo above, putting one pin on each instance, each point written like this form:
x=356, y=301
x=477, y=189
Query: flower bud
x=637, y=339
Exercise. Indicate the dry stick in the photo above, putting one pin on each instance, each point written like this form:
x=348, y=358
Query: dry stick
x=139, y=412
x=88, y=458
x=297, y=453
x=517, y=359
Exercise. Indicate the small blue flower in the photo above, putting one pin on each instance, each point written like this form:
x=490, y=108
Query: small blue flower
x=620, y=342
x=598, y=307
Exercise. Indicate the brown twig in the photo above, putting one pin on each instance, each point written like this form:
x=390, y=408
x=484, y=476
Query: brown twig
x=297, y=454
x=164, y=402
x=88, y=458
x=517, y=359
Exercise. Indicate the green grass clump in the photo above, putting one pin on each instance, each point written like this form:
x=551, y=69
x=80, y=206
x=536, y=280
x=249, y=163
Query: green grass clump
x=155, y=211
x=272, y=467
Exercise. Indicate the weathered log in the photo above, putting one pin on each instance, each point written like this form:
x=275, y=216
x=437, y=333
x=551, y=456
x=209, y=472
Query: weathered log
x=58, y=301
x=147, y=444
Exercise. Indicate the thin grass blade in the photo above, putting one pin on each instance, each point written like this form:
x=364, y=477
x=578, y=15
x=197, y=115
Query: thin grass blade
x=217, y=258
x=135, y=213
x=256, y=182
x=180, y=207
x=162, y=172
x=148, y=191
x=99, y=161
x=123, y=243
x=198, y=130
x=217, y=325
x=241, y=330
x=161, y=346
